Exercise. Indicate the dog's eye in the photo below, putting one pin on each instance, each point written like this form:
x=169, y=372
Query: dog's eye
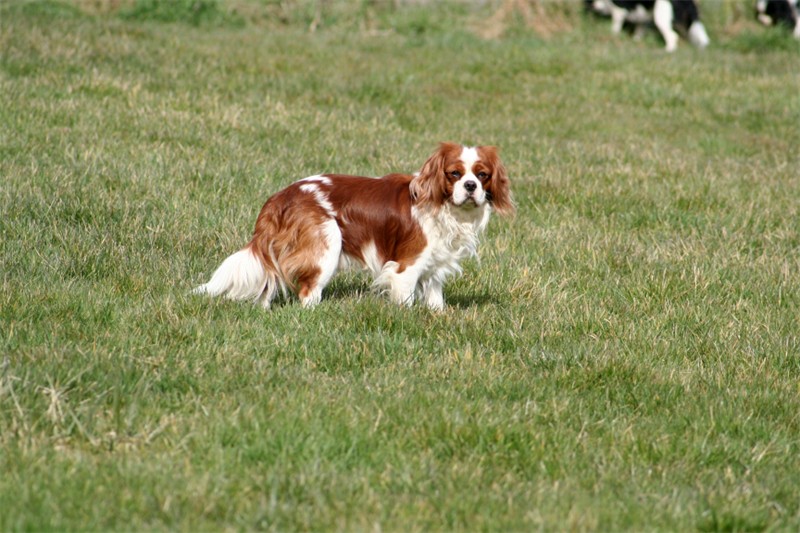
x=482, y=176
x=455, y=174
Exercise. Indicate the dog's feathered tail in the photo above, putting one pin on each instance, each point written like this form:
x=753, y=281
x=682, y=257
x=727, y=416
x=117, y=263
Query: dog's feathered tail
x=243, y=276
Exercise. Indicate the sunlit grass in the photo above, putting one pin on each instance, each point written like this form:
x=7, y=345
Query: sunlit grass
x=623, y=357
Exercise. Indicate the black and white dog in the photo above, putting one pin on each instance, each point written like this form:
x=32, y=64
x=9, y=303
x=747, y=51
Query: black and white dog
x=779, y=12
x=667, y=15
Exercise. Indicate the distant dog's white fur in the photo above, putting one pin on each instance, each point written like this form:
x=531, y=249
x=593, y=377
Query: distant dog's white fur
x=665, y=14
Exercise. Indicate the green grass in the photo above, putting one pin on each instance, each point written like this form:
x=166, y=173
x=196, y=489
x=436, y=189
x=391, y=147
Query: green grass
x=624, y=357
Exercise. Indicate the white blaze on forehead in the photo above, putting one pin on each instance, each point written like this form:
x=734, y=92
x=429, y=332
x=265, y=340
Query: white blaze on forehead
x=469, y=156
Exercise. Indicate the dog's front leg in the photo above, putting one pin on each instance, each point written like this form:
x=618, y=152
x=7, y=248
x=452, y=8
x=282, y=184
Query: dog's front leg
x=433, y=295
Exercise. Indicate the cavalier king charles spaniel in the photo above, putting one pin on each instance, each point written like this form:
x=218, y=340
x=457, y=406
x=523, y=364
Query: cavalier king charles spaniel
x=410, y=231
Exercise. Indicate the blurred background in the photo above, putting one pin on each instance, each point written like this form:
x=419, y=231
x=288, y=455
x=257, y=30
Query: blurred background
x=487, y=18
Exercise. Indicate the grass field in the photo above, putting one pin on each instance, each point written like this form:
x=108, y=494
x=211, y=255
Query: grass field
x=625, y=356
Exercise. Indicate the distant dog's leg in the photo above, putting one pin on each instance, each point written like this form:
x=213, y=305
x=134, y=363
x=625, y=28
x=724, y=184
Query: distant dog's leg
x=638, y=32
x=640, y=19
x=617, y=18
x=698, y=35
x=663, y=15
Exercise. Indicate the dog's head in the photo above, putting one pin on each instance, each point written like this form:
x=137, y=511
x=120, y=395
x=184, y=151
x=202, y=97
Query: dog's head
x=464, y=176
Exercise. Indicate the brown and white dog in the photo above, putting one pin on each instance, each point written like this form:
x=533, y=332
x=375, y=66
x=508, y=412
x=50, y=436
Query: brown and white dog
x=410, y=231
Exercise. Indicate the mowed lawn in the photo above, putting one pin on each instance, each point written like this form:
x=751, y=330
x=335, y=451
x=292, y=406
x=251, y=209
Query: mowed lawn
x=624, y=356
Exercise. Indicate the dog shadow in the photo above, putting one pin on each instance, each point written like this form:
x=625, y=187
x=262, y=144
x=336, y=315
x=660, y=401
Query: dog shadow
x=349, y=286
x=355, y=286
x=467, y=300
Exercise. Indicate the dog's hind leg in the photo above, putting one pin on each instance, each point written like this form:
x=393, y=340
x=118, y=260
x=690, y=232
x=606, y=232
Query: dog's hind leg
x=316, y=276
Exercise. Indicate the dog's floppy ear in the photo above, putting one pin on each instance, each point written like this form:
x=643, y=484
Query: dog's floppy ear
x=428, y=187
x=498, y=188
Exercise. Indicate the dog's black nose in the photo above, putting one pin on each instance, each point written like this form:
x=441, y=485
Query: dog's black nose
x=470, y=186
